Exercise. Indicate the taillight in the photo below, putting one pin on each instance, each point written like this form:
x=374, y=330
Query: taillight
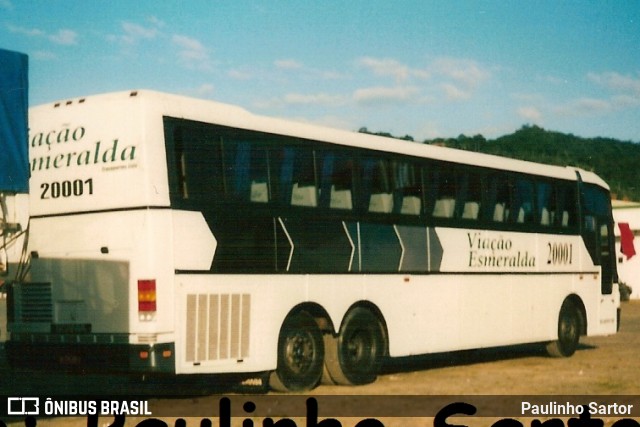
x=146, y=296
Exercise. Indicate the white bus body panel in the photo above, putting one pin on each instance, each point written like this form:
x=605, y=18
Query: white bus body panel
x=497, y=309
x=194, y=246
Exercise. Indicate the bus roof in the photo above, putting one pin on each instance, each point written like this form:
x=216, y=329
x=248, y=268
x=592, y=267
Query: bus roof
x=208, y=111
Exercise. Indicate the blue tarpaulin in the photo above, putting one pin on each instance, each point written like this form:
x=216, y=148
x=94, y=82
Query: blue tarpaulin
x=14, y=139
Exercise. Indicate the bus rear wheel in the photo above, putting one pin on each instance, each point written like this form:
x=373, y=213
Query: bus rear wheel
x=355, y=355
x=569, y=327
x=300, y=354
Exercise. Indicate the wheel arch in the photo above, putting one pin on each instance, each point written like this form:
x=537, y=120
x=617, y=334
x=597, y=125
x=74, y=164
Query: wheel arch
x=327, y=324
x=375, y=310
x=318, y=312
x=579, y=304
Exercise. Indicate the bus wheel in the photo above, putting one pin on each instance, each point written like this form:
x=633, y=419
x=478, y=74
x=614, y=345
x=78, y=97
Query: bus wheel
x=569, y=322
x=300, y=354
x=355, y=355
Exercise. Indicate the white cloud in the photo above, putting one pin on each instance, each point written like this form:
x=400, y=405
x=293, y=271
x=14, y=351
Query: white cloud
x=30, y=32
x=192, y=52
x=44, y=55
x=617, y=82
x=385, y=95
x=592, y=105
x=300, y=99
x=530, y=113
x=134, y=32
x=205, y=90
x=64, y=37
x=239, y=74
x=625, y=101
x=156, y=22
x=268, y=103
x=456, y=79
x=465, y=71
x=188, y=44
x=529, y=98
x=584, y=107
x=293, y=65
x=455, y=93
x=288, y=64
x=554, y=80
x=430, y=130
x=388, y=67
x=624, y=94
x=315, y=99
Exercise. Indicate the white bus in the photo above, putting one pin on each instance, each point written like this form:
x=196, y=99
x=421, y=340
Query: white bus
x=178, y=236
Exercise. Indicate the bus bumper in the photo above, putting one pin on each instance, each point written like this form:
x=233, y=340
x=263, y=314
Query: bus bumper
x=98, y=358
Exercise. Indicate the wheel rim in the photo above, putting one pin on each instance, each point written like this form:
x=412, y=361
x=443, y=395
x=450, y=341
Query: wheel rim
x=568, y=329
x=299, y=353
x=359, y=349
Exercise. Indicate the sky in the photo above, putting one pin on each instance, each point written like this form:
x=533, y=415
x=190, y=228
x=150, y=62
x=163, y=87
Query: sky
x=425, y=68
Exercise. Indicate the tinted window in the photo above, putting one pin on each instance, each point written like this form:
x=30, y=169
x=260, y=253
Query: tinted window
x=445, y=190
x=247, y=173
x=566, y=210
x=336, y=179
x=523, y=202
x=406, y=187
x=375, y=179
x=470, y=197
x=498, y=200
x=197, y=164
x=294, y=170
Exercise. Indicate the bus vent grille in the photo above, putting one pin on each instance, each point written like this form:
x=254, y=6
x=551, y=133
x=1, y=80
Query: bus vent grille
x=217, y=327
x=32, y=302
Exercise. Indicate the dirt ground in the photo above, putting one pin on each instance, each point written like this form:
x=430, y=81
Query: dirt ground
x=602, y=366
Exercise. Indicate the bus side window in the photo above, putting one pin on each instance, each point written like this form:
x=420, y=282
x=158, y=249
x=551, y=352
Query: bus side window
x=376, y=195
x=445, y=193
x=259, y=191
x=543, y=204
x=497, y=205
x=294, y=168
x=180, y=162
x=522, y=211
x=336, y=180
x=198, y=163
x=247, y=171
x=407, y=188
x=469, y=197
x=238, y=157
x=566, y=202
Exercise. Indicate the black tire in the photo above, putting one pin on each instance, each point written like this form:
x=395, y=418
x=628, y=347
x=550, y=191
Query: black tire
x=569, y=329
x=300, y=355
x=355, y=355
